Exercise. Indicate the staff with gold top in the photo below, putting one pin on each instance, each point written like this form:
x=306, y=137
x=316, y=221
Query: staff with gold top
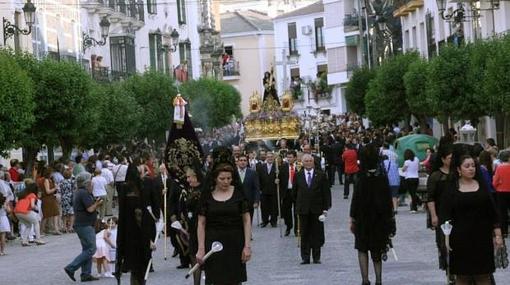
x=163, y=181
x=278, y=195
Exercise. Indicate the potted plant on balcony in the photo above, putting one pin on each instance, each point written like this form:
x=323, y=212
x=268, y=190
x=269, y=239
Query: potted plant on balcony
x=295, y=87
x=320, y=87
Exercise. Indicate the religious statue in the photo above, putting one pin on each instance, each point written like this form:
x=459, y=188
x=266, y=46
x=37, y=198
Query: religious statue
x=270, y=86
x=287, y=102
x=179, y=110
x=255, y=103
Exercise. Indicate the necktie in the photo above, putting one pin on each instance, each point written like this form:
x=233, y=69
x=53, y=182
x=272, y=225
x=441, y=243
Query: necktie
x=292, y=173
x=309, y=179
x=242, y=174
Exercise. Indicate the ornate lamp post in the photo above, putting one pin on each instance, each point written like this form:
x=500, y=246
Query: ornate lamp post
x=11, y=29
x=89, y=41
x=456, y=16
x=174, y=37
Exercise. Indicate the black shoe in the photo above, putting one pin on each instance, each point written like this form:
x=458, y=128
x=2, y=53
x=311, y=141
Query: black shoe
x=305, y=262
x=341, y=183
x=88, y=278
x=151, y=269
x=363, y=283
x=287, y=232
x=70, y=274
x=273, y=225
x=346, y=197
x=182, y=266
x=263, y=225
x=317, y=262
x=175, y=253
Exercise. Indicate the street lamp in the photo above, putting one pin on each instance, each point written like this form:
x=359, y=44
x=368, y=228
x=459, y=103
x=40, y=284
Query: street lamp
x=11, y=29
x=456, y=16
x=174, y=38
x=89, y=41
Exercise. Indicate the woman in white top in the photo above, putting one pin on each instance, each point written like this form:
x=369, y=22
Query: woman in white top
x=99, y=191
x=410, y=169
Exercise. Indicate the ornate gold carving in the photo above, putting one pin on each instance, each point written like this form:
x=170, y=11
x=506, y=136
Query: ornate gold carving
x=181, y=154
x=255, y=103
x=287, y=102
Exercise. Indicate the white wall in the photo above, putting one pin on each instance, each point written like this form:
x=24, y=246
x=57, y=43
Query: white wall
x=307, y=61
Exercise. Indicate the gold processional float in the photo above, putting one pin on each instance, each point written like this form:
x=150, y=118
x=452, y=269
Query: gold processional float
x=268, y=120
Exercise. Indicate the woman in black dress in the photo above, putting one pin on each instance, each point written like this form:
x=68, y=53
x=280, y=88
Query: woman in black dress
x=191, y=201
x=224, y=216
x=437, y=185
x=136, y=228
x=372, y=220
x=469, y=207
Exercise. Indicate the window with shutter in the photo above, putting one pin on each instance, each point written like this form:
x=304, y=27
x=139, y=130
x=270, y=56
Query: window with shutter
x=319, y=38
x=292, y=33
x=181, y=12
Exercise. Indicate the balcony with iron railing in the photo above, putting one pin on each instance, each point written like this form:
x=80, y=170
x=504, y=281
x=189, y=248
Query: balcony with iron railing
x=231, y=70
x=127, y=11
x=105, y=74
x=352, y=22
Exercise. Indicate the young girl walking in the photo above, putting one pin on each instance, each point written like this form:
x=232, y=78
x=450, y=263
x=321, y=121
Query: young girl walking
x=105, y=242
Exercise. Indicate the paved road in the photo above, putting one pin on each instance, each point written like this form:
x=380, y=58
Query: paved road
x=275, y=260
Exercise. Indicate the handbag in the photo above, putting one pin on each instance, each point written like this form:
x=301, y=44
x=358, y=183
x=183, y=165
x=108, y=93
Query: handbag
x=501, y=257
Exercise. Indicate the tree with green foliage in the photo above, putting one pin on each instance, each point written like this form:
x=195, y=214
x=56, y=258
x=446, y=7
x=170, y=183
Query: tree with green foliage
x=154, y=92
x=479, y=54
x=213, y=103
x=496, y=83
x=386, y=98
x=64, y=104
x=416, y=96
x=17, y=107
x=119, y=115
x=448, y=86
x=357, y=89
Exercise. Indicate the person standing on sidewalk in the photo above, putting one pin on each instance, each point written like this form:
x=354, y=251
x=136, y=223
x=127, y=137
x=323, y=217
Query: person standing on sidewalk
x=351, y=168
x=85, y=218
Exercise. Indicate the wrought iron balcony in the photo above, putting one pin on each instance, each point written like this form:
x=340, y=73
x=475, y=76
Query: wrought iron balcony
x=104, y=74
x=231, y=68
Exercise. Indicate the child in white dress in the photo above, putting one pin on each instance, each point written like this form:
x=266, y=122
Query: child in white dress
x=113, y=237
x=104, y=244
x=5, y=227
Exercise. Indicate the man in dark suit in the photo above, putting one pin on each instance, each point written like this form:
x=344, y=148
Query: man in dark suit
x=338, y=167
x=250, y=182
x=287, y=180
x=268, y=199
x=313, y=199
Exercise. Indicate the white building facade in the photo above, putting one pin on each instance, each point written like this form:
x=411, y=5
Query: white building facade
x=343, y=44
x=301, y=60
x=139, y=36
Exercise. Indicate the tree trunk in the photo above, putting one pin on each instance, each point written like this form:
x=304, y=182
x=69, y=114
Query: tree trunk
x=29, y=156
x=422, y=120
x=67, y=148
x=51, y=153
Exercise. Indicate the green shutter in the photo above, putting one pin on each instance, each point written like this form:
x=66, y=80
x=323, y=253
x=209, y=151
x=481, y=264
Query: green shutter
x=152, y=51
x=351, y=40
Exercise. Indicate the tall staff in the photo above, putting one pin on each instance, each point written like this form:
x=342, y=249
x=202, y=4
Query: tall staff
x=165, y=216
x=277, y=181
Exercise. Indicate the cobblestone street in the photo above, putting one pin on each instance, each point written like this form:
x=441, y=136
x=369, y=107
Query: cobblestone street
x=275, y=260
